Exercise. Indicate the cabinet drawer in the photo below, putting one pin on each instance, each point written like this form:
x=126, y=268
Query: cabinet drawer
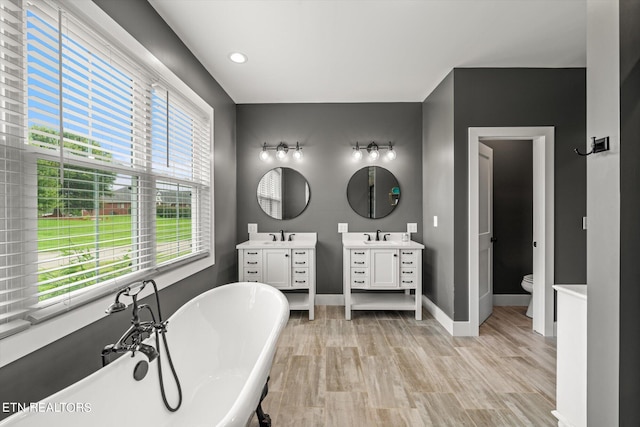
x=302, y=272
x=359, y=282
x=252, y=258
x=300, y=282
x=408, y=272
x=408, y=258
x=359, y=258
x=359, y=273
x=252, y=274
x=408, y=282
x=299, y=258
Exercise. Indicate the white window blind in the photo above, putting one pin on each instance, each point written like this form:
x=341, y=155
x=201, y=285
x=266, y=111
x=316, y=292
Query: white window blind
x=105, y=168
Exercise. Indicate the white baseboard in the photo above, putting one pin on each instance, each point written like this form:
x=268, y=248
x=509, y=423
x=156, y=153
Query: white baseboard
x=455, y=328
x=438, y=314
x=330, y=299
x=511, y=299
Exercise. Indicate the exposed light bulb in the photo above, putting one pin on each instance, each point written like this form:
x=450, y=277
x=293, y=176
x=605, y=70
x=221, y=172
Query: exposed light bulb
x=281, y=154
x=357, y=154
x=391, y=154
x=298, y=153
x=374, y=154
x=264, y=154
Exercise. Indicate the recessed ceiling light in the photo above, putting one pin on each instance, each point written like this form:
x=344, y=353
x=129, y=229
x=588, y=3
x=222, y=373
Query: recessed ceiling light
x=238, y=58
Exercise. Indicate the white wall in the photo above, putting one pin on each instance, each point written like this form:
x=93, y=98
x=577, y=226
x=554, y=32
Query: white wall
x=603, y=212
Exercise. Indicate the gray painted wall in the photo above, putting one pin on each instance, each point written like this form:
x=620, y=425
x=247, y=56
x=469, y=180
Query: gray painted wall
x=525, y=97
x=629, y=211
x=77, y=355
x=327, y=132
x=504, y=97
x=512, y=214
x=437, y=182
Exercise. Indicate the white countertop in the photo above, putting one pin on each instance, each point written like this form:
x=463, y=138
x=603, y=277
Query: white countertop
x=357, y=240
x=265, y=241
x=263, y=244
x=362, y=244
x=579, y=291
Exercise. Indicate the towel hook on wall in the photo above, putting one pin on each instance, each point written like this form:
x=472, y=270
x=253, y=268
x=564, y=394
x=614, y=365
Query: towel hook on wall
x=597, y=146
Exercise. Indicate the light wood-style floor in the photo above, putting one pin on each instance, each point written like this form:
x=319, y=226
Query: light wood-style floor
x=387, y=369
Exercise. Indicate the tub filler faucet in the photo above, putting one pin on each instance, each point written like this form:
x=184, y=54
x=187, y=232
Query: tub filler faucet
x=132, y=339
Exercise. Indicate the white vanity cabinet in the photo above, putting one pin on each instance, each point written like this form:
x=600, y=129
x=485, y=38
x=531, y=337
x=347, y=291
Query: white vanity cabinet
x=379, y=266
x=286, y=265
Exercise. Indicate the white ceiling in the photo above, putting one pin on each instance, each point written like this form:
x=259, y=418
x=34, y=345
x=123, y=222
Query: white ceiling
x=370, y=50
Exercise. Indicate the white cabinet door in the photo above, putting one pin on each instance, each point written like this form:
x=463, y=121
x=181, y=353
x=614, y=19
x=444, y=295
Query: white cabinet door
x=384, y=268
x=277, y=267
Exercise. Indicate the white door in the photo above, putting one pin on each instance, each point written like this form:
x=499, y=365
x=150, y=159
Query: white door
x=485, y=228
x=277, y=267
x=384, y=268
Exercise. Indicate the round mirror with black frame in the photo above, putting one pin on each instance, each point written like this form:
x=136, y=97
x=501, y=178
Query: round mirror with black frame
x=283, y=193
x=373, y=192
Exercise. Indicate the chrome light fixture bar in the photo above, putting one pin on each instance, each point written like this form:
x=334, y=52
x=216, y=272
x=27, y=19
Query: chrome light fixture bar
x=282, y=150
x=373, y=150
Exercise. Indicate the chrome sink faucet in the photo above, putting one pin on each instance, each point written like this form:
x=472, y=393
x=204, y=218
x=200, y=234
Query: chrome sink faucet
x=378, y=235
x=282, y=235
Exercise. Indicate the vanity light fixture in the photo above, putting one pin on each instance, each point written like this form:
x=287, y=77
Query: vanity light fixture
x=282, y=149
x=374, y=151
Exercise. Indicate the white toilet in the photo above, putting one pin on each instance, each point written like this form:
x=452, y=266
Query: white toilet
x=527, y=285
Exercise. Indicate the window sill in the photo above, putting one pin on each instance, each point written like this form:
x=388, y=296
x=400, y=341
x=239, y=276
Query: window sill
x=37, y=336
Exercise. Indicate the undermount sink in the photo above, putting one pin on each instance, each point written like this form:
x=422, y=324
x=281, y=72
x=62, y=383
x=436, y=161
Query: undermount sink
x=380, y=242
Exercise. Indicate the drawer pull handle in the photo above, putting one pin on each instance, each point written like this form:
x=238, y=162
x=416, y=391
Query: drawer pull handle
x=300, y=262
x=300, y=272
x=252, y=262
x=407, y=272
x=407, y=281
x=300, y=253
x=301, y=281
x=359, y=253
x=359, y=281
x=359, y=272
x=252, y=253
x=252, y=272
x=359, y=262
x=407, y=262
x=407, y=253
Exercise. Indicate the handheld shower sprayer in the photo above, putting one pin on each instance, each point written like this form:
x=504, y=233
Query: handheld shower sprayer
x=139, y=330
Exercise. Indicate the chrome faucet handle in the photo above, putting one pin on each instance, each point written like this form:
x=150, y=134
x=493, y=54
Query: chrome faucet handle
x=384, y=237
x=291, y=235
x=368, y=236
x=273, y=236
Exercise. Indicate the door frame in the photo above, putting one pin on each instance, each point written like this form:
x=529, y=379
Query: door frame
x=543, y=176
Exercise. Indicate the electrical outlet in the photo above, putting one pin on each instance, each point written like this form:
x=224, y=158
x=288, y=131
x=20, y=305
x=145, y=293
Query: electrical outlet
x=343, y=227
x=412, y=227
x=252, y=228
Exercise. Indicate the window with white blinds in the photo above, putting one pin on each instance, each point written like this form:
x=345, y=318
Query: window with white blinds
x=104, y=168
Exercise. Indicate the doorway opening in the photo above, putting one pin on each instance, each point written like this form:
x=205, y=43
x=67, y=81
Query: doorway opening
x=543, y=221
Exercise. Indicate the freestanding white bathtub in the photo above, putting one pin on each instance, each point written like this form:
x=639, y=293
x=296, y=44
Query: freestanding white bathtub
x=222, y=344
